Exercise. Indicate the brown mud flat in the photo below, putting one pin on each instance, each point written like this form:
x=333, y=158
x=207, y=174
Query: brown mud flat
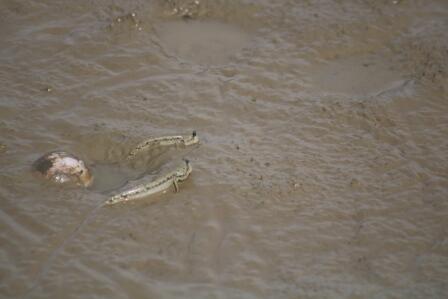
x=323, y=168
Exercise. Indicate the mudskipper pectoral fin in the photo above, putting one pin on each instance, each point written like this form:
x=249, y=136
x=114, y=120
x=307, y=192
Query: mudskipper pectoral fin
x=176, y=186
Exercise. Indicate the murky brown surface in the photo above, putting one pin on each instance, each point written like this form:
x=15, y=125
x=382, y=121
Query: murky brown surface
x=323, y=168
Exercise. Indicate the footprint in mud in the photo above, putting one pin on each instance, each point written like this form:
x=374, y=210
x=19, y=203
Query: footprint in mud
x=358, y=76
x=204, y=42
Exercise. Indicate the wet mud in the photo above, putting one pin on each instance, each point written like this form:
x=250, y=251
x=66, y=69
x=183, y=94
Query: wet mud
x=323, y=165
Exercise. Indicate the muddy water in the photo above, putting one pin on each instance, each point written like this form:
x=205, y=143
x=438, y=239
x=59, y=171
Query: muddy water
x=323, y=168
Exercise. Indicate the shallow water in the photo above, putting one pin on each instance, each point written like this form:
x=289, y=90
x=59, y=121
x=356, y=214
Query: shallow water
x=322, y=170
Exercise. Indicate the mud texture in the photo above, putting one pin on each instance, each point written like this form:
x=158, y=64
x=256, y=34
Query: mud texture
x=323, y=168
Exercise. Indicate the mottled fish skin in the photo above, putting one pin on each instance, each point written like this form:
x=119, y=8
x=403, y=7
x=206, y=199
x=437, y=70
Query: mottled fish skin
x=164, y=141
x=161, y=184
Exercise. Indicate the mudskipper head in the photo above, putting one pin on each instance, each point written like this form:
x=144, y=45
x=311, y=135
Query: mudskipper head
x=192, y=139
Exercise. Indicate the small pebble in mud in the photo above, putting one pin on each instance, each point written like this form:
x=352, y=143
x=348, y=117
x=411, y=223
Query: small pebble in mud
x=48, y=89
x=354, y=183
x=186, y=9
x=61, y=167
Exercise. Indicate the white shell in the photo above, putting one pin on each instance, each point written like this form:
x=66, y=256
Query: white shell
x=61, y=167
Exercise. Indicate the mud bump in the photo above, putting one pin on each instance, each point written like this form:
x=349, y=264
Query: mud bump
x=3, y=148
